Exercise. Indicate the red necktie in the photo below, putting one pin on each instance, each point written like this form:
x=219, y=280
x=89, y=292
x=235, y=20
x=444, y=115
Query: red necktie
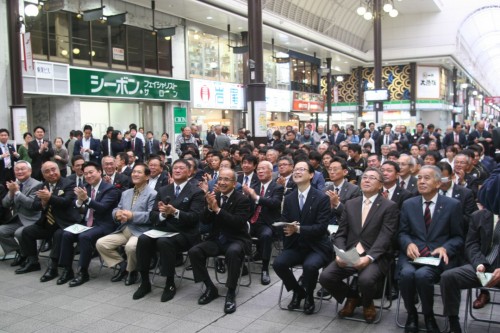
x=133, y=144
x=90, y=220
x=255, y=216
x=425, y=252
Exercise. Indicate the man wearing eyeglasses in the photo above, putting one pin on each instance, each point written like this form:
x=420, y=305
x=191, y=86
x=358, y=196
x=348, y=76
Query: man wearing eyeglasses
x=306, y=240
x=368, y=224
x=227, y=212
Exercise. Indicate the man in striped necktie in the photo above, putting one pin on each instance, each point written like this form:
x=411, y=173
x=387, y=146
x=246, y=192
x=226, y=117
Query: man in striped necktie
x=55, y=199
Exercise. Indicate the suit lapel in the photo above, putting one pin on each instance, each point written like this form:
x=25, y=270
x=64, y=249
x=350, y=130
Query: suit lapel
x=373, y=210
x=311, y=197
x=438, y=210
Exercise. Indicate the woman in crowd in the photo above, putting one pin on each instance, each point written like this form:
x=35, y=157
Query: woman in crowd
x=60, y=156
x=23, y=149
x=118, y=145
x=451, y=152
x=351, y=137
x=166, y=147
x=366, y=138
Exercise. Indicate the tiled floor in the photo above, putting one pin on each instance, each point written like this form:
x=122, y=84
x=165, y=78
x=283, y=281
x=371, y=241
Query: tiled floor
x=101, y=306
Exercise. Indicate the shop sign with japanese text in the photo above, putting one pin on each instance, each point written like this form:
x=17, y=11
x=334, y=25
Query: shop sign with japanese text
x=217, y=95
x=86, y=82
x=308, y=102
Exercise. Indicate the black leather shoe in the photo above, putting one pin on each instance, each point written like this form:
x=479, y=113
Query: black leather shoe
x=230, y=304
x=131, y=278
x=208, y=296
x=220, y=265
x=120, y=274
x=18, y=261
x=296, y=299
x=67, y=275
x=144, y=289
x=80, y=279
x=168, y=293
x=30, y=266
x=50, y=274
x=411, y=325
x=264, y=278
x=431, y=324
x=309, y=305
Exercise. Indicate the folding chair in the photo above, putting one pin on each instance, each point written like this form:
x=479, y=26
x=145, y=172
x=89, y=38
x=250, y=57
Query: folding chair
x=469, y=308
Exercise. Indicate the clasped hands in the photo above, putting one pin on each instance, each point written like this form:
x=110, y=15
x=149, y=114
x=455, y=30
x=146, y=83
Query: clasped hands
x=413, y=252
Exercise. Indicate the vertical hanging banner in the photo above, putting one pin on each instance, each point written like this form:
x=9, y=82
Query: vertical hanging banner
x=180, y=119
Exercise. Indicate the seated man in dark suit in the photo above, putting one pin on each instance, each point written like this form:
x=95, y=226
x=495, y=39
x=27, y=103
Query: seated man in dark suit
x=391, y=190
x=55, y=199
x=228, y=213
x=482, y=249
x=306, y=240
x=119, y=180
x=267, y=197
x=285, y=173
x=248, y=166
x=157, y=178
x=177, y=208
x=406, y=180
x=77, y=177
x=341, y=190
x=451, y=190
x=368, y=223
x=430, y=226
x=97, y=200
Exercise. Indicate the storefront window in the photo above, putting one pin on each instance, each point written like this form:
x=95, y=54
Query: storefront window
x=165, y=56
x=95, y=114
x=80, y=39
x=210, y=57
x=304, y=76
x=150, y=60
x=100, y=44
x=58, y=37
x=276, y=74
x=37, y=26
x=134, y=38
x=118, y=37
x=123, y=114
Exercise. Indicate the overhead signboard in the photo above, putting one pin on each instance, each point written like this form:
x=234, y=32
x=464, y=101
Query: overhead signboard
x=87, y=82
x=428, y=82
x=308, y=102
x=217, y=95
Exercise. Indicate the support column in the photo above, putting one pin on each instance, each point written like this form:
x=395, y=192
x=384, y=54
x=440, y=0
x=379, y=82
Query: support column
x=377, y=51
x=256, y=90
x=328, y=94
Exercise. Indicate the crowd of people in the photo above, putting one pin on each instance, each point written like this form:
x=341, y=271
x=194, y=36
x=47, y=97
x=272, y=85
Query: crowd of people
x=395, y=197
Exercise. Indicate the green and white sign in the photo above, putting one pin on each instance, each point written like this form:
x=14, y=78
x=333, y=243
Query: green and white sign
x=180, y=119
x=88, y=82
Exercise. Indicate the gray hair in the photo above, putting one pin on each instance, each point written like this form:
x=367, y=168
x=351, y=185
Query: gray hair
x=437, y=171
x=28, y=164
x=411, y=159
x=377, y=170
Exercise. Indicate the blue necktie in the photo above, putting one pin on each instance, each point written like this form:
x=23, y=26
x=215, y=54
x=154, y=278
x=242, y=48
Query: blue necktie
x=245, y=182
x=301, y=201
x=177, y=190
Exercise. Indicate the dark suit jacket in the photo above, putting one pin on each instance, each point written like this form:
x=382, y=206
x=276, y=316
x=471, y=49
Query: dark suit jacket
x=479, y=238
x=62, y=202
x=104, y=146
x=155, y=150
x=138, y=149
x=121, y=182
x=290, y=186
x=162, y=181
x=253, y=182
x=380, y=141
x=118, y=147
x=400, y=195
x=3, y=175
x=270, y=203
x=347, y=191
x=313, y=220
x=449, y=139
x=469, y=206
x=72, y=177
x=411, y=186
x=476, y=135
x=446, y=228
x=38, y=159
x=375, y=235
x=106, y=198
x=95, y=146
x=190, y=203
x=231, y=220
x=340, y=138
